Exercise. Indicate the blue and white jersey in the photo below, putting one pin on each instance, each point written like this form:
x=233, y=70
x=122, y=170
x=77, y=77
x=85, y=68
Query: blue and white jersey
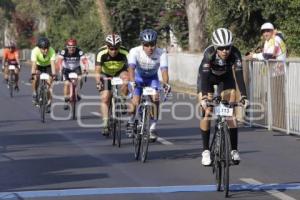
x=147, y=66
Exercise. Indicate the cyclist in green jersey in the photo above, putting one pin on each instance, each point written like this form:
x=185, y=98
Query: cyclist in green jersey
x=111, y=61
x=43, y=60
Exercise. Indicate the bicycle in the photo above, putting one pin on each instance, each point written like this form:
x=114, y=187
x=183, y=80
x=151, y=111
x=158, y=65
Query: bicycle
x=141, y=128
x=116, y=111
x=11, y=79
x=220, y=146
x=42, y=94
x=73, y=93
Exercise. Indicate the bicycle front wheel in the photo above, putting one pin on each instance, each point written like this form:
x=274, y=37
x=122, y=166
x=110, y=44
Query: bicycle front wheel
x=73, y=102
x=43, y=103
x=146, y=133
x=226, y=161
x=216, y=161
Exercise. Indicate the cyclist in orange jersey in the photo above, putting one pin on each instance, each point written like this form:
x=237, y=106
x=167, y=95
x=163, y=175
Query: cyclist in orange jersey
x=11, y=57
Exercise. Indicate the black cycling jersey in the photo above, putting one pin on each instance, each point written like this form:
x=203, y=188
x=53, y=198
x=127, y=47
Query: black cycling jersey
x=213, y=70
x=71, y=61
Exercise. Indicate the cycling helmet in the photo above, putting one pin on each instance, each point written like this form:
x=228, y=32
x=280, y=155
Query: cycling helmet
x=222, y=37
x=267, y=26
x=43, y=43
x=113, y=40
x=148, y=35
x=71, y=42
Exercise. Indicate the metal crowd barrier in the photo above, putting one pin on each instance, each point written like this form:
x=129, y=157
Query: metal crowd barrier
x=274, y=95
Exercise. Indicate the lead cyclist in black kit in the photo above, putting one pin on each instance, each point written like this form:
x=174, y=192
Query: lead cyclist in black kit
x=219, y=62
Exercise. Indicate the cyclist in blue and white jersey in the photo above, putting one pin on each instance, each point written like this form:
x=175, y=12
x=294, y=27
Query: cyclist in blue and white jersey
x=144, y=62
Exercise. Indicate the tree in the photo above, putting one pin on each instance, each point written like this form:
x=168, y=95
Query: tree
x=196, y=14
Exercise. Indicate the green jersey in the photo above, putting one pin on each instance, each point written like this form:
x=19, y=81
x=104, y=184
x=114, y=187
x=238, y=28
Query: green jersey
x=40, y=59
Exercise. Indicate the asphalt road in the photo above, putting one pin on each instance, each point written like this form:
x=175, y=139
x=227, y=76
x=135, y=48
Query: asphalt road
x=69, y=159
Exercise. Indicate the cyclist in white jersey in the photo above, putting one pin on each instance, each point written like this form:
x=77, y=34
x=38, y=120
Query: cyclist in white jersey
x=144, y=62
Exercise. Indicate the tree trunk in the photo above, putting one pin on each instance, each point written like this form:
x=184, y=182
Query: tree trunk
x=104, y=16
x=196, y=12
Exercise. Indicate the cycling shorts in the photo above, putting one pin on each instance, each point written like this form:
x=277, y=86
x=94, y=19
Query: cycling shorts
x=45, y=69
x=145, y=81
x=66, y=71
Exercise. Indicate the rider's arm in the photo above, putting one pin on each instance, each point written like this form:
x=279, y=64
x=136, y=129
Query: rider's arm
x=33, y=61
x=238, y=69
x=164, y=68
x=17, y=56
x=52, y=60
x=59, y=63
x=98, y=67
x=132, y=62
x=204, y=71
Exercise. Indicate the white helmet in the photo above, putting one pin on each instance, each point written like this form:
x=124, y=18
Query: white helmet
x=268, y=26
x=222, y=37
x=113, y=40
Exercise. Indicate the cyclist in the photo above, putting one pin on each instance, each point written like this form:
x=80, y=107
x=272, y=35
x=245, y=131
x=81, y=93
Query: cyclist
x=69, y=61
x=111, y=61
x=144, y=62
x=43, y=60
x=216, y=68
x=11, y=57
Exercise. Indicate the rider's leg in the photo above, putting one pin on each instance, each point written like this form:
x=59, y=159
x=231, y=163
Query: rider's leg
x=5, y=71
x=230, y=95
x=205, y=122
x=124, y=88
x=105, y=97
x=66, y=90
x=205, y=130
x=17, y=71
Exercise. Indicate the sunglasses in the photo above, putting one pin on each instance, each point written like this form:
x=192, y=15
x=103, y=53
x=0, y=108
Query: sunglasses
x=227, y=48
x=150, y=44
x=113, y=48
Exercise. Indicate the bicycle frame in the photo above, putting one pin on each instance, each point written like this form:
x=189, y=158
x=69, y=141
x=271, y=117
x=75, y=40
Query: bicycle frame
x=11, y=79
x=221, y=147
x=73, y=92
x=42, y=97
x=116, y=113
x=143, y=114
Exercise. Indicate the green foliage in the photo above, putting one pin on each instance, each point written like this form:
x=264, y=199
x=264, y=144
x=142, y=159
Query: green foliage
x=129, y=17
x=70, y=19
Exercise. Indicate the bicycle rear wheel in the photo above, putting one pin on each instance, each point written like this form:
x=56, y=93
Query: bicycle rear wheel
x=146, y=133
x=226, y=161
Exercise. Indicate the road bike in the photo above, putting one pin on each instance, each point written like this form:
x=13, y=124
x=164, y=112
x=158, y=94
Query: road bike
x=220, y=146
x=117, y=108
x=141, y=128
x=42, y=94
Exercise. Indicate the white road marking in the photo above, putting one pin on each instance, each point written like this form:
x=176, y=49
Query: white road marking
x=159, y=139
x=274, y=193
x=164, y=141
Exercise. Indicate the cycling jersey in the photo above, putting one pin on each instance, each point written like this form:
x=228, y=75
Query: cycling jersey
x=147, y=66
x=112, y=65
x=214, y=70
x=273, y=49
x=10, y=57
x=40, y=59
x=71, y=62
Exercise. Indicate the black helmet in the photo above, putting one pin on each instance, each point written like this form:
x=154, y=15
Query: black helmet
x=43, y=43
